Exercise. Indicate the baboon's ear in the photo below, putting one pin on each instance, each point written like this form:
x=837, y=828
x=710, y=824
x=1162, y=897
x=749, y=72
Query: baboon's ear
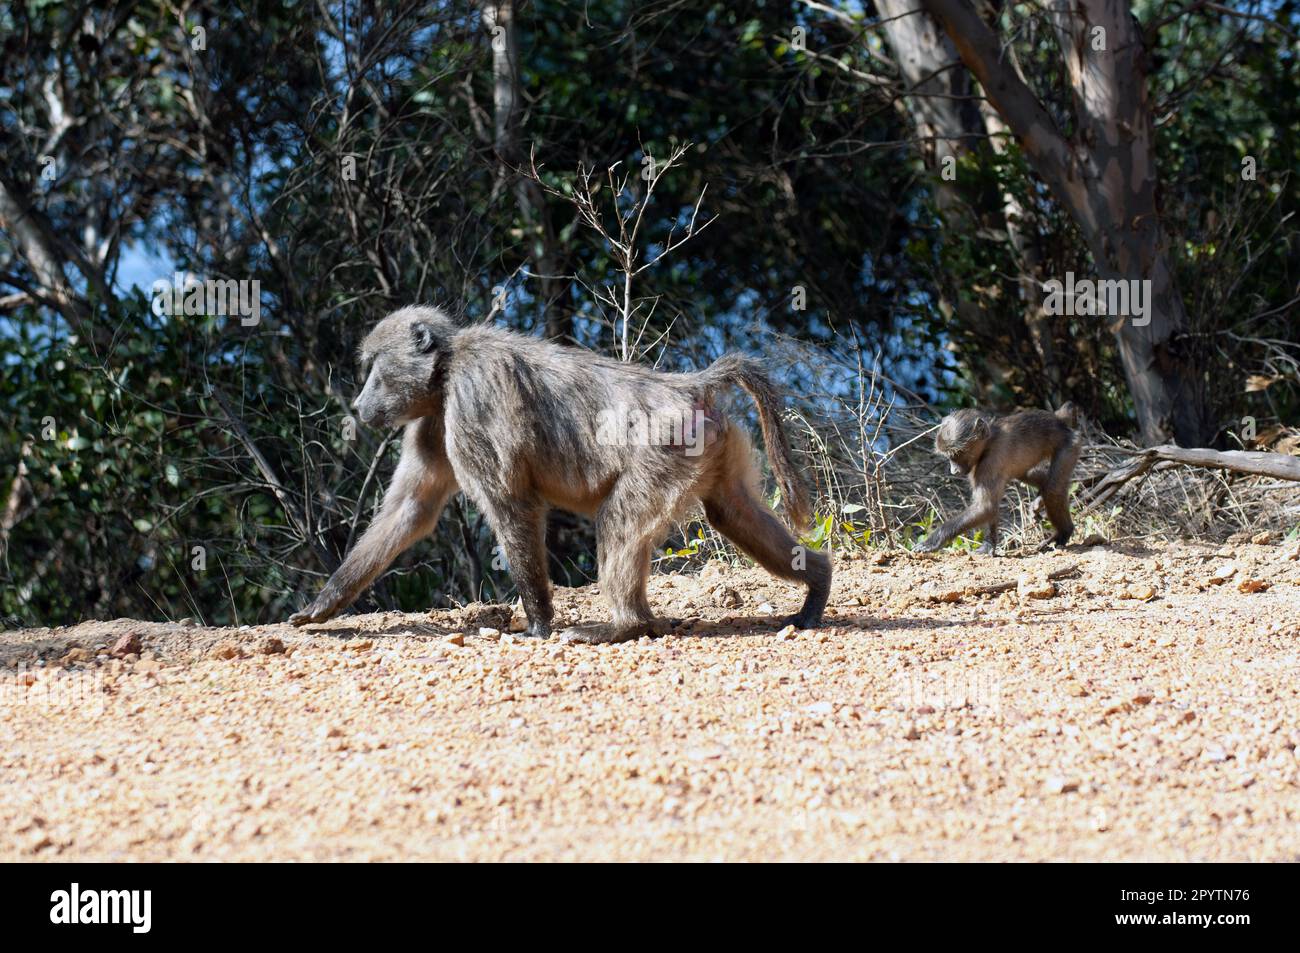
x=425, y=339
x=982, y=429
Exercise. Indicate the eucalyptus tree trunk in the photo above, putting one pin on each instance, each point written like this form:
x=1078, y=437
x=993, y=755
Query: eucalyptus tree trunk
x=1105, y=177
x=507, y=111
x=939, y=104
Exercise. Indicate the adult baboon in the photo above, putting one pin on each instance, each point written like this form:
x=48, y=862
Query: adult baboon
x=1036, y=446
x=521, y=425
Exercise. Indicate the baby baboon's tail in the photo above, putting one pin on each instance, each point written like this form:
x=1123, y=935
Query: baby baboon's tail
x=749, y=374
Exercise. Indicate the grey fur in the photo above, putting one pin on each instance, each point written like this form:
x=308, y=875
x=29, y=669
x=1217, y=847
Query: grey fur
x=521, y=425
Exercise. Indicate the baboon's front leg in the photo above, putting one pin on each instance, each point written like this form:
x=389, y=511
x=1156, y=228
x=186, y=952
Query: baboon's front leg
x=520, y=528
x=990, y=545
x=983, y=511
x=421, y=487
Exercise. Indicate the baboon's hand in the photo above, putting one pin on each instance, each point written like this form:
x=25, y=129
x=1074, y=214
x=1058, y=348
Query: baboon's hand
x=801, y=620
x=324, y=607
x=537, y=630
x=927, y=545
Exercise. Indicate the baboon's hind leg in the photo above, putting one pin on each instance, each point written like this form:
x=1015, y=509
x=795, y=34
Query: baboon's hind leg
x=1056, y=493
x=734, y=512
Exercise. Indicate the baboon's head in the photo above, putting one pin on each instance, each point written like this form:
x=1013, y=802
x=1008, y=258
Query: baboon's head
x=401, y=359
x=961, y=438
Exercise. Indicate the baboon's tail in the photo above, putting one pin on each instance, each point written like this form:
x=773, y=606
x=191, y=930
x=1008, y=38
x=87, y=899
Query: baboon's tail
x=749, y=374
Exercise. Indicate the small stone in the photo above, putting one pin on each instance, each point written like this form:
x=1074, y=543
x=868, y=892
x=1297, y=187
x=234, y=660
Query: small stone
x=787, y=634
x=1253, y=585
x=128, y=644
x=270, y=646
x=729, y=598
x=1035, y=587
x=1141, y=593
x=222, y=651
x=456, y=639
x=488, y=632
x=1058, y=785
x=820, y=708
x=766, y=609
x=1222, y=574
x=76, y=655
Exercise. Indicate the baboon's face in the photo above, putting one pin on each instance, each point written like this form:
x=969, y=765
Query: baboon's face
x=400, y=360
x=961, y=438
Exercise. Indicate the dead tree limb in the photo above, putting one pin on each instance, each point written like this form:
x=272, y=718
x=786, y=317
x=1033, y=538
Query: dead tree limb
x=1260, y=463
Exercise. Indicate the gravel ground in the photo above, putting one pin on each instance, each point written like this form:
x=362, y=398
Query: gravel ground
x=1142, y=705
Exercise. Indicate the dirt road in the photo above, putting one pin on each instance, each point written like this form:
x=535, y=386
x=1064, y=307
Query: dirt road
x=1142, y=706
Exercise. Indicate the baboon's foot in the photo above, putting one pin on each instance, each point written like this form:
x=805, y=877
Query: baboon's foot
x=1054, y=544
x=602, y=633
x=986, y=549
x=927, y=545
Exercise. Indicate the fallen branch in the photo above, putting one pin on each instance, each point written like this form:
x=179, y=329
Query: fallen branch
x=1109, y=485
x=1000, y=587
x=1260, y=463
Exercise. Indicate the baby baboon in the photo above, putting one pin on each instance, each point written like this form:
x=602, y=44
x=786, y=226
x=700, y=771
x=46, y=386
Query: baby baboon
x=522, y=425
x=1036, y=446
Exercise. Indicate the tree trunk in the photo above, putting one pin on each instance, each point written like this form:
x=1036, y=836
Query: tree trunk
x=1106, y=178
x=37, y=243
x=936, y=104
x=499, y=22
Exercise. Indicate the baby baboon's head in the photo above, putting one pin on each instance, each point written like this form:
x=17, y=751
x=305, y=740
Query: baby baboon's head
x=961, y=438
x=400, y=358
